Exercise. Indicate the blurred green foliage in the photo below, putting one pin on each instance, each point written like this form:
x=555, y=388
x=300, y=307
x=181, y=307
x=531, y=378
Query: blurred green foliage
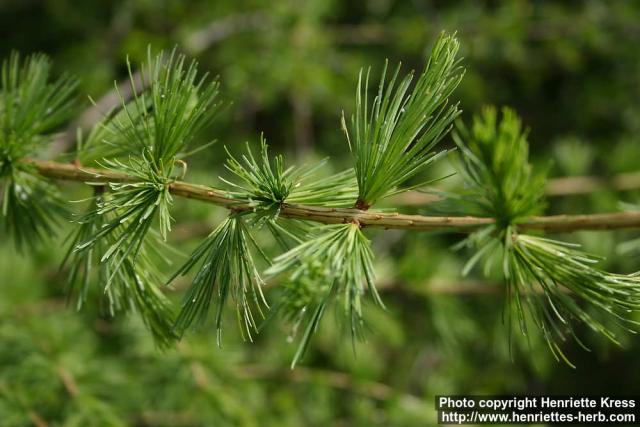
x=288, y=68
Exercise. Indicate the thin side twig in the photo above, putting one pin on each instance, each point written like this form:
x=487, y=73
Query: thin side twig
x=556, y=187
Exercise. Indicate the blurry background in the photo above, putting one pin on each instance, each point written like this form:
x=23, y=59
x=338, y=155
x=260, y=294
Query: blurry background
x=288, y=69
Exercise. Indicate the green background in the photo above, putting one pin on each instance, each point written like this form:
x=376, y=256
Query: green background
x=571, y=69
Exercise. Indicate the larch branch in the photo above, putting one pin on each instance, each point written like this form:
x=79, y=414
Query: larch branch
x=369, y=219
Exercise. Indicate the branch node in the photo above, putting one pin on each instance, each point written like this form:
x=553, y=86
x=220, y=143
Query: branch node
x=362, y=205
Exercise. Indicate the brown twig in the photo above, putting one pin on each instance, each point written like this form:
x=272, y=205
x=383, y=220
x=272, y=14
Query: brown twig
x=69, y=381
x=194, y=44
x=92, y=115
x=37, y=420
x=216, y=31
x=565, y=186
x=335, y=379
x=370, y=219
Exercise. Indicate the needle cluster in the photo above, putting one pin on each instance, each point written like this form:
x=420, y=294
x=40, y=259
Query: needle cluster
x=550, y=283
